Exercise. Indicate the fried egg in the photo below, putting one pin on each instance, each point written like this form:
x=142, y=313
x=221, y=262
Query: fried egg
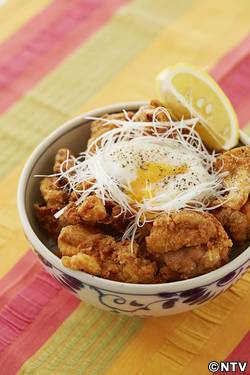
x=153, y=169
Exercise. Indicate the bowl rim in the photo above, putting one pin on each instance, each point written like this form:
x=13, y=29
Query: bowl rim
x=86, y=278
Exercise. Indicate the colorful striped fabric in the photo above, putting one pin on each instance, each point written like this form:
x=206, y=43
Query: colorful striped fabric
x=59, y=58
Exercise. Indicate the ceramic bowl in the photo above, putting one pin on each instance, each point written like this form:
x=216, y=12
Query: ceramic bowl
x=131, y=299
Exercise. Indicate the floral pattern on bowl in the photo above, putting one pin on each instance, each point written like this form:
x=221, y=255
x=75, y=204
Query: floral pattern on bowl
x=144, y=304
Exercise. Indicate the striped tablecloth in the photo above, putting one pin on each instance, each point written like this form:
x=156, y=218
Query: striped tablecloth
x=60, y=58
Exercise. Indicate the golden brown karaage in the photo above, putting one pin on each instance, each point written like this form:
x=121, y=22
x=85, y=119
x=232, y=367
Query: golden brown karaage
x=234, y=212
x=175, y=246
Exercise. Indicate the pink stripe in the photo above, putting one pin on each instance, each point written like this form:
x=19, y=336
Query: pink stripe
x=233, y=75
x=19, y=276
x=18, y=314
x=236, y=85
x=236, y=82
x=56, y=32
x=36, y=334
x=43, y=37
x=35, y=309
x=231, y=59
x=40, y=22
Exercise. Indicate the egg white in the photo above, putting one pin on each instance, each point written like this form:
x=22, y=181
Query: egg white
x=123, y=161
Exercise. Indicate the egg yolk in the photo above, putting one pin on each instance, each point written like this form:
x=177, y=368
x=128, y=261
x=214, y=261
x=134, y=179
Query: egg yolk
x=151, y=173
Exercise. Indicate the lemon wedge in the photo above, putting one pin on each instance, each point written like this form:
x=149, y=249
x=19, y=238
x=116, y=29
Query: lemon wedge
x=190, y=92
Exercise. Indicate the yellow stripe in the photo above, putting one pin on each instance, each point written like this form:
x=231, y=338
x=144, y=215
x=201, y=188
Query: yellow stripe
x=14, y=14
x=13, y=244
x=166, y=345
x=199, y=37
x=225, y=339
x=193, y=344
x=145, y=344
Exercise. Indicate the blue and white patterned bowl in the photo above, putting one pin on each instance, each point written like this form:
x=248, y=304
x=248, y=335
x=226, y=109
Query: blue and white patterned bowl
x=130, y=299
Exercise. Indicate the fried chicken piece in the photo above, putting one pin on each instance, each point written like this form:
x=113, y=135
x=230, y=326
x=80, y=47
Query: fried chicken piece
x=99, y=127
x=103, y=256
x=53, y=196
x=47, y=220
x=181, y=229
x=188, y=244
x=115, y=221
x=145, y=113
x=79, y=238
x=84, y=262
x=191, y=261
x=84, y=248
x=81, y=187
x=246, y=211
x=133, y=268
x=62, y=155
x=237, y=163
x=70, y=215
x=92, y=210
x=235, y=222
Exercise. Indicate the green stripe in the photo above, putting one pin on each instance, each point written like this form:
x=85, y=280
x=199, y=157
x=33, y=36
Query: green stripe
x=81, y=75
x=70, y=328
x=117, y=333
x=65, y=350
x=121, y=339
